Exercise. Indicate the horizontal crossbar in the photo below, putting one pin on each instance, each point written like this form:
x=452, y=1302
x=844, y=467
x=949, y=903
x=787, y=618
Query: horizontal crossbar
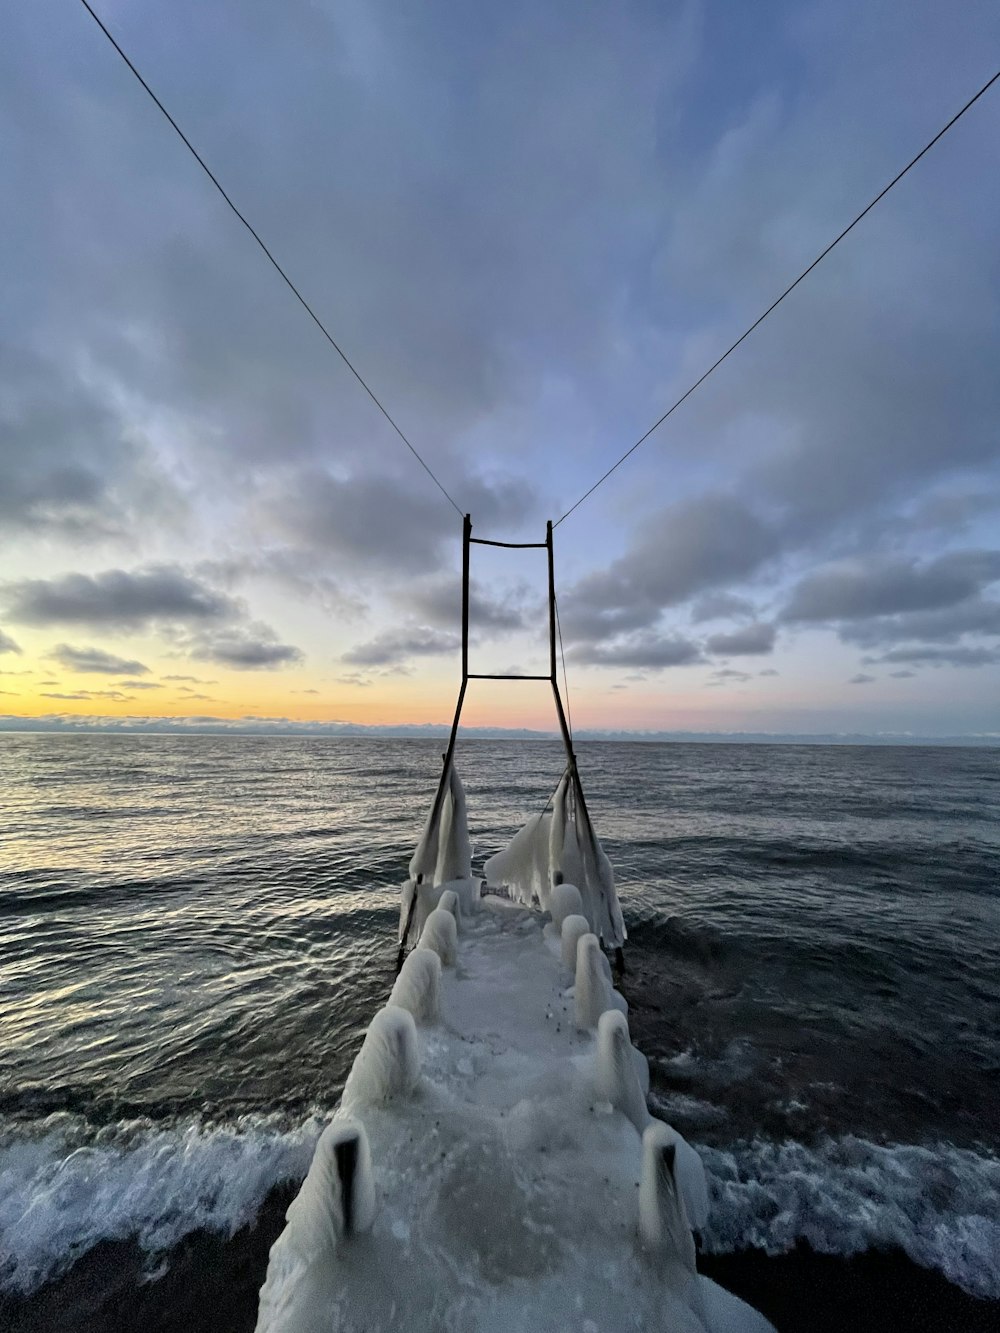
x=475, y=675
x=511, y=546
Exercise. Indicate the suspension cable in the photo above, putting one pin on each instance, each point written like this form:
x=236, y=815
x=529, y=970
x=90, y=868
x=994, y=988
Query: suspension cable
x=291, y=285
x=774, y=304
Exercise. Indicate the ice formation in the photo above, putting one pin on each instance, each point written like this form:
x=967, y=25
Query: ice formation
x=564, y=901
x=418, y=986
x=388, y=1063
x=444, y=852
x=663, y=1221
x=440, y=933
x=593, y=992
x=504, y=1202
x=337, y=1198
x=523, y=866
x=562, y=848
x=573, y=930
x=449, y=902
x=454, y=858
x=618, y=1079
x=688, y=1171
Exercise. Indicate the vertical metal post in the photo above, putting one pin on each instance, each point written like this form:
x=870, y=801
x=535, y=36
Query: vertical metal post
x=553, y=674
x=446, y=758
x=466, y=540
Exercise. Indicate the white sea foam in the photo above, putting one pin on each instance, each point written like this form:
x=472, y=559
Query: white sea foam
x=63, y=1189
x=940, y=1204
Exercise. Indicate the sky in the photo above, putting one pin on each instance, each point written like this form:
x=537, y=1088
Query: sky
x=530, y=228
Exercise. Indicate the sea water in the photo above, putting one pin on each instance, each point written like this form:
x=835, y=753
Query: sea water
x=194, y=932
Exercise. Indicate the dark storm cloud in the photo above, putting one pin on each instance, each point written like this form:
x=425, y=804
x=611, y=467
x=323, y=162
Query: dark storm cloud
x=394, y=646
x=756, y=638
x=646, y=649
x=252, y=647
x=97, y=661
x=678, y=552
x=118, y=599
x=887, y=585
x=7, y=644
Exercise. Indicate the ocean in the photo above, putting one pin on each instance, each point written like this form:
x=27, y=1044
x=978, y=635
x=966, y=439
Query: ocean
x=195, y=931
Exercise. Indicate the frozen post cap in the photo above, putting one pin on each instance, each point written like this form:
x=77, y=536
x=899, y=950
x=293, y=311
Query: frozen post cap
x=617, y=1076
x=440, y=933
x=418, y=986
x=663, y=1219
x=564, y=901
x=688, y=1172
x=388, y=1063
x=337, y=1198
x=573, y=928
x=594, y=992
x=449, y=902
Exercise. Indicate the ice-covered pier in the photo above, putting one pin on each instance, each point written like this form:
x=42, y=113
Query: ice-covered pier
x=493, y=1165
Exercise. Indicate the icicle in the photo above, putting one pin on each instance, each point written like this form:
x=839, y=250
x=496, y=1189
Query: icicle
x=617, y=1075
x=418, y=986
x=387, y=1064
x=454, y=851
x=523, y=865
x=597, y=885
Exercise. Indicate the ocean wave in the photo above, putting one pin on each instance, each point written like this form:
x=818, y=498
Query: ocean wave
x=63, y=1189
x=938, y=1203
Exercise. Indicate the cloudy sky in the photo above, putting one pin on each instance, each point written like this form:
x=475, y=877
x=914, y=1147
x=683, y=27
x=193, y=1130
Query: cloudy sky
x=530, y=227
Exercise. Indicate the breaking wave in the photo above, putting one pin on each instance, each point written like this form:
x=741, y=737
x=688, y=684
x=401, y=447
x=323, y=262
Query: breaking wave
x=937, y=1203
x=63, y=1190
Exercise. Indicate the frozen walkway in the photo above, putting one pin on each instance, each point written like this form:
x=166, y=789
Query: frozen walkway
x=506, y=1192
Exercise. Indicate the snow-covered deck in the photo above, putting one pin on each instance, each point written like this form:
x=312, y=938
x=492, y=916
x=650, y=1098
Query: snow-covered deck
x=504, y=1189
